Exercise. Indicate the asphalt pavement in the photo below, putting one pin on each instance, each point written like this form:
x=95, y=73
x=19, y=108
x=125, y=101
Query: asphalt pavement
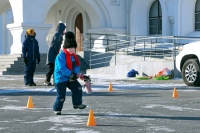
x=134, y=106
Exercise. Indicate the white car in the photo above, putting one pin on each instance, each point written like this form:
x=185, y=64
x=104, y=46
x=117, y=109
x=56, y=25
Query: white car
x=187, y=62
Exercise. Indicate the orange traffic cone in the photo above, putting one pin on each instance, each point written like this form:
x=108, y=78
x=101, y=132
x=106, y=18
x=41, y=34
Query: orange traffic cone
x=110, y=87
x=175, y=93
x=30, y=102
x=91, y=121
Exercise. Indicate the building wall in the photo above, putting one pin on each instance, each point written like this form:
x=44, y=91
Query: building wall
x=106, y=16
x=5, y=35
x=1, y=51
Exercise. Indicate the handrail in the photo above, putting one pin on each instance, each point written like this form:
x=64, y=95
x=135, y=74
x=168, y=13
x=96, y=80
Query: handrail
x=106, y=49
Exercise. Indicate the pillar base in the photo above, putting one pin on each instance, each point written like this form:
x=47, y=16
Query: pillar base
x=18, y=32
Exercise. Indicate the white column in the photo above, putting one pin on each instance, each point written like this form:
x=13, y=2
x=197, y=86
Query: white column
x=1, y=44
x=18, y=32
x=4, y=33
x=29, y=14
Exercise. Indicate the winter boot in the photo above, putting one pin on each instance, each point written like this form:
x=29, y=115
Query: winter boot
x=33, y=84
x=81, y=106
x=57, y=112
x=47, y=81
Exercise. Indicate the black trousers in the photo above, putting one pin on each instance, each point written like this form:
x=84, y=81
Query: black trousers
x=76, y=90
x=29, y=70
x=50, y=70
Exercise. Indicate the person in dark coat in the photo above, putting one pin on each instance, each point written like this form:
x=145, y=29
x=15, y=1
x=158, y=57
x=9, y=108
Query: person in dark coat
x=53, y=51
x=30, y=54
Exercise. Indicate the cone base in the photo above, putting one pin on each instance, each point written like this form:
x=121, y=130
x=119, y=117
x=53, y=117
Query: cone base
x=30, y=103
x=110, y=87
x=175, y=94
x=91, y=121
x=89, y=125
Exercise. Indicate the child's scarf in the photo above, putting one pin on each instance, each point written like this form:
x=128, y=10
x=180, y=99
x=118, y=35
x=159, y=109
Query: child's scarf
x=69, y=61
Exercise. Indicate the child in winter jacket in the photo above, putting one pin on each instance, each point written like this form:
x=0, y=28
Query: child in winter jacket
x=67, y=66
x=30, y=53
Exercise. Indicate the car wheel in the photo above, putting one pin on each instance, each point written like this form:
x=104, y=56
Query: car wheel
x=191, y=72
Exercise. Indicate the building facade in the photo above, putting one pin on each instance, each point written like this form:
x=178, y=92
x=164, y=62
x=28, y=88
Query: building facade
x=129, y=17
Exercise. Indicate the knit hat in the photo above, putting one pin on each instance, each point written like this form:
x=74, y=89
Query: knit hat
x=30, y=32
x=70, y=41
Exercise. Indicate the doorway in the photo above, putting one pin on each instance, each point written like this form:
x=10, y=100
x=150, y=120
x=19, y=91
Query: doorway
x=79, y=31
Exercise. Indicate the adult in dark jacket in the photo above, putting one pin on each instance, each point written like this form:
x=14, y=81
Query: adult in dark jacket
x=53, y=51
x=30, y=53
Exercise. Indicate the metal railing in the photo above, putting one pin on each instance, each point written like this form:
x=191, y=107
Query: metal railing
x=113, y=49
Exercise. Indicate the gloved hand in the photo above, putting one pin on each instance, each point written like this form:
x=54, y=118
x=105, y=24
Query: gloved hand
x=25, y=61
x=73, y=76
x=38, y=60
x=86, y=78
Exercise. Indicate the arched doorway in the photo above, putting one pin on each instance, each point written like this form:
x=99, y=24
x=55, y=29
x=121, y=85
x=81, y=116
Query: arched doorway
x=79, y=31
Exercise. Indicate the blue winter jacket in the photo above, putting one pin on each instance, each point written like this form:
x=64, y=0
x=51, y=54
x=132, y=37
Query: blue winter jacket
x=61, y=72
x=30, y=48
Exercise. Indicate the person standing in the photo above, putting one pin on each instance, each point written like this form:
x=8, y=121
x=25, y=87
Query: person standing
x=67, y=66
x=30, y=53
x=53, y=51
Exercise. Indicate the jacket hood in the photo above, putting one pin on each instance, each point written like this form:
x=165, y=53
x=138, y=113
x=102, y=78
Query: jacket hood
x=60, y=28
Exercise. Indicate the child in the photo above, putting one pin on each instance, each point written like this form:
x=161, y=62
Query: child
x=67, y=66
x=30, y=52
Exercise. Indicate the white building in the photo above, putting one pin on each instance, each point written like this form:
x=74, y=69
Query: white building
x=131, y=17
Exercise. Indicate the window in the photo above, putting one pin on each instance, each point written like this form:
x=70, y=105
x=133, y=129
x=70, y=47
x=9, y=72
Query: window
x=155, y=18
x=197, y=16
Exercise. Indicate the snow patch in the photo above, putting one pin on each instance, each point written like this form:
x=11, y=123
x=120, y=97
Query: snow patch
x=13, y=108
x=5, y=78
x=160, y=129
x=170, y=107
x=141, y=119
x=4, y=121
x=8, y=100
x=78, y=130
x=87, y=131
x=1, y=128
x=62, y=119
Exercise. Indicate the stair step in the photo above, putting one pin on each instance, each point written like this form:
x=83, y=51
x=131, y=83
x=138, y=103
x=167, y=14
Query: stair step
x=14, y=64
x=10, y=56
x=19, y=73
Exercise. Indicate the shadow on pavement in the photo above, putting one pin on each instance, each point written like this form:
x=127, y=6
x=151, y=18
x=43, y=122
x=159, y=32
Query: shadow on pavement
x=136, y=116
x=39, y=93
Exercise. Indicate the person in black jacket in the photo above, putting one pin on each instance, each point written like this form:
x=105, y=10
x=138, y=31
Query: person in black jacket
x=30, y=54
x=53, y=51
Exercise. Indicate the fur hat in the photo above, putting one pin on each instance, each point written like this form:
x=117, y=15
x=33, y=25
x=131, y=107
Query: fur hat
x=69, y=34
x=70, y=41
x=30, y=32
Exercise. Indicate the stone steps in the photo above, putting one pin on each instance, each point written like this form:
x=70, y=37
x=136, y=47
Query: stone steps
x=14, y=65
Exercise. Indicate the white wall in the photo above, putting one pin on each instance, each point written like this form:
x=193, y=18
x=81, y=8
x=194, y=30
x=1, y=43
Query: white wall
x=167, y=23
x=187, y=17
x=139, y=17
x=5, y=35
x=1, y=35
x=103, y=16
x=116, y=11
